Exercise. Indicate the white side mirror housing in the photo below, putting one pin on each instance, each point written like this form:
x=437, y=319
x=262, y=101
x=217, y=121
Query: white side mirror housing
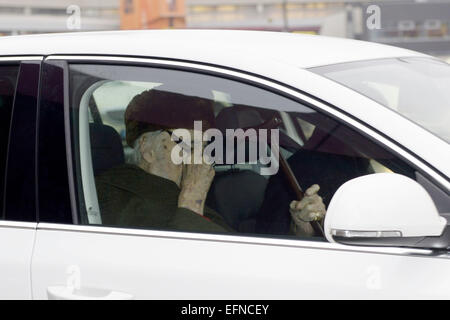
x=383, y=209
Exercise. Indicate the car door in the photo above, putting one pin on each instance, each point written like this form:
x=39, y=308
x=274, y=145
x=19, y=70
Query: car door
x=83, y=136
x=19, y=83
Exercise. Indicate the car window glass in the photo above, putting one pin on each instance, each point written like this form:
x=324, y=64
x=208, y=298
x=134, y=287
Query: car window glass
x=8, y=78
x=131, y=176
x=416, y=88
x=20, y=187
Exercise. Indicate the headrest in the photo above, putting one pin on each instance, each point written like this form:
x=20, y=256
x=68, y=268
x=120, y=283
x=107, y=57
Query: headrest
x=106, y=146
x=238, y=117
x=245, y=117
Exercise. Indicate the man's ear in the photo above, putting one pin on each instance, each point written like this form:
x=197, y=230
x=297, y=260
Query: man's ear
x=144, y=149
x=148, y=156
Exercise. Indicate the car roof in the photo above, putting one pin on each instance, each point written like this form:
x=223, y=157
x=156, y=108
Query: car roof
x=274, y=55
x=220, y=47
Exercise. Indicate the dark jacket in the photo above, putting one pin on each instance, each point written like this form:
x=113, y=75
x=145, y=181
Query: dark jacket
x=130, y=197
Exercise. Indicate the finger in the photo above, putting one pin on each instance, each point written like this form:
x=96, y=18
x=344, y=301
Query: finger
x=293, y=204
x=312, y=190
x=314, y=216
x=311, y=208
x=208, y=159
x=211, y=172
x=315, y=198
x=302, y=204
x=320, y=215
x=295, y=215
x=315, y=207
x=303, y=216
x=318, y=202
x=205, y=168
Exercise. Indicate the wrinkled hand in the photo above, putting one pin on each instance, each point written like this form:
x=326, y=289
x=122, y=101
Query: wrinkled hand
x=310, y=208
x=195, y=184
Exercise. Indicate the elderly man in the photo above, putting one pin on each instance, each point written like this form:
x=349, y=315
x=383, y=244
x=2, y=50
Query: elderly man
x=157, y=193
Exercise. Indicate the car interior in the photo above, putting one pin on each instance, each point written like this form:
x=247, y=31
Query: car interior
x=321, y=151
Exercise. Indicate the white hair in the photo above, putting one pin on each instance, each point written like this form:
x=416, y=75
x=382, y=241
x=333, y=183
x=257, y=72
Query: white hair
x=136, y=156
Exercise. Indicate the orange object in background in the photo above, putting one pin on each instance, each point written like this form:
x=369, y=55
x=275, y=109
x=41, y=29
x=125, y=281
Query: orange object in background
x=152, y=14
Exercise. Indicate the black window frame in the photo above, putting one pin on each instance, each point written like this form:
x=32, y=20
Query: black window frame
x=16, y=65
x=53, y=169
x=20, y=178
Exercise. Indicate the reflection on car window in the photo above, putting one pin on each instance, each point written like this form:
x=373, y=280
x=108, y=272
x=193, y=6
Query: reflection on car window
x=416, y=88
x=174, y=150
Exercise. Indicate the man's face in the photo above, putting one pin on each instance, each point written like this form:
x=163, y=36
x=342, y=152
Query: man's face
x=191, y=141
x=156, y=150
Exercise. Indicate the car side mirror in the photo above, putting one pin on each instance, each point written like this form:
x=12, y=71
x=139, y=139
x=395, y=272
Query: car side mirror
x=384, y=209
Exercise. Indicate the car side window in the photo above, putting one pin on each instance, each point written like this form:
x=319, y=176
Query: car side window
x=181, y=151
x=8, y=79
x=20, y=186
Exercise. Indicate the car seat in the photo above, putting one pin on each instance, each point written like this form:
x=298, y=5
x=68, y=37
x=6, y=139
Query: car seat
x=237, y=194
x=107, y=149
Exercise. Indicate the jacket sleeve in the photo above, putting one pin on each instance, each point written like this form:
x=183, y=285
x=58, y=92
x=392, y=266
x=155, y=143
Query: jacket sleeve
x=187, y=220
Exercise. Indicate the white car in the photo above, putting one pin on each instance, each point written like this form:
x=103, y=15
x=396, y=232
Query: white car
x=369, y=123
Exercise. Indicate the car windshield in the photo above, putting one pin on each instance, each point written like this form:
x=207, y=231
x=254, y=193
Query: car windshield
x=417, y=88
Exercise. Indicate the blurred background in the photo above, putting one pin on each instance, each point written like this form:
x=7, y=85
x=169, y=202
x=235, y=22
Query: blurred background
x=421, y=25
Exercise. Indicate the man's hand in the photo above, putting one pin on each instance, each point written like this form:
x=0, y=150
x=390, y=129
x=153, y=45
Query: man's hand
x=195, y=184
x=310, y=208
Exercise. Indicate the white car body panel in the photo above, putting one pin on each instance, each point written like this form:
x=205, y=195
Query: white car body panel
x=219, y=47
x=16, y=248
x=172, y=265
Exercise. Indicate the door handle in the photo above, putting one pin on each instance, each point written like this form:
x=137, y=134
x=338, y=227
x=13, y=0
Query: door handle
x=67, y=293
